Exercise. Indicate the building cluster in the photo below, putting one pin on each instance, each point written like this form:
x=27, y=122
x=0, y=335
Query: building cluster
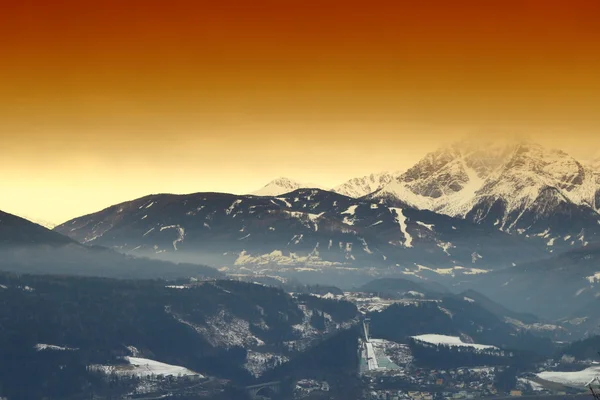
x=432, y=384
x=304, y=387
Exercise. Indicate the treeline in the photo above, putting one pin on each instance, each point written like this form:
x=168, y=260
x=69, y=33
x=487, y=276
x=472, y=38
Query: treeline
x=444, y=356
x=586, y=349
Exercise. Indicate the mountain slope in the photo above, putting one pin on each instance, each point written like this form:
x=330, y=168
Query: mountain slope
x=26, y=247
x=519, y=188
x=18, y=231
x=551, y=288
x=496, y=308
x=308, y=227
x=595, y=166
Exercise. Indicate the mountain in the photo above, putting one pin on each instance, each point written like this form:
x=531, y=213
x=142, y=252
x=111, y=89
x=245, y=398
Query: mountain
x=26, y=247
x=359, y=187
x=595, y=166
x=552, y=288
x=39, y=221
x=281, y=186
x=307, y=230
x=17, y=231
x=498, y=309
x=520, y=188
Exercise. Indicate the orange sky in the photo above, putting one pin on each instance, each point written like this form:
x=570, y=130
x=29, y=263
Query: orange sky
x=104, y=101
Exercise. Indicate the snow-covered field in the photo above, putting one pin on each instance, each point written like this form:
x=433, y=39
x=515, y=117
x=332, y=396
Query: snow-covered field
x=576, y=378
x=42, y=346
x=450, y=341
x=144, y=367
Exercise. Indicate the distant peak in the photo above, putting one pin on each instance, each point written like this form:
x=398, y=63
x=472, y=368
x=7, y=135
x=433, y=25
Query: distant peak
x=282, y=185
x=283, y=181
x=364, y=185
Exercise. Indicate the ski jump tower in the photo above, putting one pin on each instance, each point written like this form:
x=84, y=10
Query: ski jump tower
x=366, y=325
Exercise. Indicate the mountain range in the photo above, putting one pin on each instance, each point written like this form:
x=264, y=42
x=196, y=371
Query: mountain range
x=308, y=229
x=473, y=214
x=518, y=187
x=467, y=208
x=355, y=187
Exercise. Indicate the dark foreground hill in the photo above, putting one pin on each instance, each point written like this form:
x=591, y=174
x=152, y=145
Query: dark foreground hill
x=454, y=316
x=53, y=328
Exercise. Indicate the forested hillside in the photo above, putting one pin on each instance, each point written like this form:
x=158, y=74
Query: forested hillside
x=211, y=328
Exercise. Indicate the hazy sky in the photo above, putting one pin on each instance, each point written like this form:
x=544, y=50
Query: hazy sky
x=102, y=102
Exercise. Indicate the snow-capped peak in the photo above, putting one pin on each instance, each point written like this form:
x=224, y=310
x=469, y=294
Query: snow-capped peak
x=447, y=180
x=281, y=186
x=362, y=186
x=471, y=178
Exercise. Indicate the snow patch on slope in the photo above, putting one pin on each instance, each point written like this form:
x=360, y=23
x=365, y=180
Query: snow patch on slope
x=400, y=219
x=180, y=232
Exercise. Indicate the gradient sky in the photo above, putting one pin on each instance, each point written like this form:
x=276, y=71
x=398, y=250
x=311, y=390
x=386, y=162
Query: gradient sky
x=106, y=101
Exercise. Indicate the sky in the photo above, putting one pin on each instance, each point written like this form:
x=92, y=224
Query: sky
x=106, y=101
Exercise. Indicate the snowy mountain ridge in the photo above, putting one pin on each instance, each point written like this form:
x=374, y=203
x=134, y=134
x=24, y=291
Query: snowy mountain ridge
x=500, y=184
x=278, y=187
x=362, y=186
x=355, y=187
